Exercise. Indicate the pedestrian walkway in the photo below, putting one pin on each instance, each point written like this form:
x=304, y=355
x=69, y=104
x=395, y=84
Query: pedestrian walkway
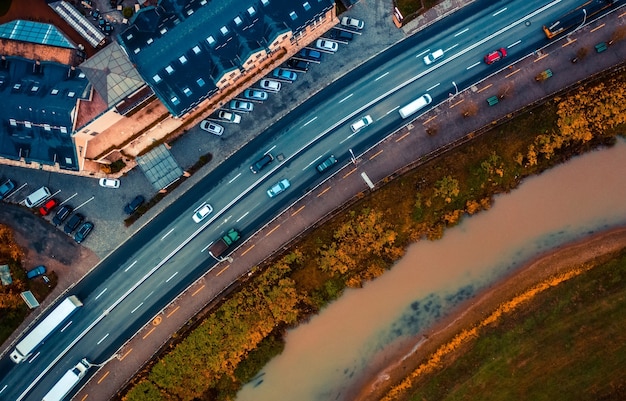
x=514, y=88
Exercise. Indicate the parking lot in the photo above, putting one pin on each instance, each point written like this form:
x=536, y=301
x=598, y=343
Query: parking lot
x=104, y=206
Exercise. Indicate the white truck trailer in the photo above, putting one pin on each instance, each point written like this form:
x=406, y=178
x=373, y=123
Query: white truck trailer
x=69, y=380
x=45, y=328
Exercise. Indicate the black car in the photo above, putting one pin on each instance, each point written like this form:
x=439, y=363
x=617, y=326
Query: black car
x=298, y=65
x=340, y=35
x=132, y=207
x=6, y=188
x=62, y=214
x=83, y=232
x=261, y=163
x=73, y=223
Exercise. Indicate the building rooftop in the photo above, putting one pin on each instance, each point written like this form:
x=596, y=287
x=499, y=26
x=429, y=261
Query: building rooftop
x=35, y=32
x=182, y=48
x=38, y=120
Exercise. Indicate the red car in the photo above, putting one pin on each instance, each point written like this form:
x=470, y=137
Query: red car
x=48, y=206
x=495, y=55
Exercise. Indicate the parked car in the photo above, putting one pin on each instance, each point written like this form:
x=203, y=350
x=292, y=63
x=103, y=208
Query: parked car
x=109, y=183
x=361, y=123
x=255, y=94
x=107, y=29
x=95, y=14
x=36, y=272
x=326, y=164
x=48, y=206
x=6, y=189
x=132, y=207
x=278, y=188
x=73, y=223
x=261, y=163
x=284, y=74
x=62, y=214
x=241, y=105
x=229, y=116
x=203, y=211
x=211, y=127
x=328, y=45
x=352, y=23
x=495, y=55
x=83, y=231
x=310, y=54
x=299, y=65
x=340, y=35
x=270, y=85
x=432, y=57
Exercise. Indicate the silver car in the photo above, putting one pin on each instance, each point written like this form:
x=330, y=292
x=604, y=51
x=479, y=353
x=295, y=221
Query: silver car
x=241, y=105
x=278, y=188
x=211, y=128
x=255, y=94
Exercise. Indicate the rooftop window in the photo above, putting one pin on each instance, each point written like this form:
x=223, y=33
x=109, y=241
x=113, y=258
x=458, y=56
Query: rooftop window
x=196, y=49
x=169, y=69
x=251, y=11
x=175, y=100
x=224, y=30
x=265, y=2
x=200, y=82
x=149, y=41
x=293, y=15
x=306, y=6
x=182, y=59
x=54, y=92
x=71, y=94
x=211, y=40
x=237, y=20
x=187, y=91
x=156, y=78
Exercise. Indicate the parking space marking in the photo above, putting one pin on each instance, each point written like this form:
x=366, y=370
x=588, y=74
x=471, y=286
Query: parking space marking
x=514, y=44
x=598, y=27
x=102, y=339
x=166, y=234
x=148, y=333
x=16, y=191
x=104, y=376
x=4, y=388
x=101, y=292
x=193, y=294
x=297, y=211
x=272, y=230
x=126, y=354
x=68, y=199
x=461, y=33
x=546, y=54
x=244, y=215
x=56, y=193
x=473, y=65
x=84, y=203
x=622, y=14
x=131, y=265
x=429, y=120
x=234, y=178
x=376, y=154
x=323, y=192
x=174, y=311
x=433, y=87
x=222, y=271
x=485, y=88
x=247, y=250
x=136, y=307
x=569, y=42
x=309, y=165
x=346, y=98
x=513, y=73
x=171, y=277
x=350, y=172
x=310, y=121
x=379, y=77
x=403, y=136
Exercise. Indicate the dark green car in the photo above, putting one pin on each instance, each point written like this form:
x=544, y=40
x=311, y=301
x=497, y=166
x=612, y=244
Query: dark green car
x=326, y=164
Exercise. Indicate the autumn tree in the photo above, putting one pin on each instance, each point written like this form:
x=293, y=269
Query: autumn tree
x=447, y=188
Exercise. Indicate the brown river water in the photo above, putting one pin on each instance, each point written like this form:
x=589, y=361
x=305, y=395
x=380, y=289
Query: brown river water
x=331, y=353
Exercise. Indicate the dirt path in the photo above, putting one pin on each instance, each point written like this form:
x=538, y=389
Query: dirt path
x=408, y=357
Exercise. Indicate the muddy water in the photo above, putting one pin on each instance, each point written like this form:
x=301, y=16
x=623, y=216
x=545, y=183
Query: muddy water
x=331, y=353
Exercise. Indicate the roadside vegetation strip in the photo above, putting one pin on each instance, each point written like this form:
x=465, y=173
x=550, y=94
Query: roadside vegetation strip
x=560, y=339
x=361, y=243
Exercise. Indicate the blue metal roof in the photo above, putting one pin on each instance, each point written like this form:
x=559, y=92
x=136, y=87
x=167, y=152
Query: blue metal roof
x=182, y=48
x=37, y=116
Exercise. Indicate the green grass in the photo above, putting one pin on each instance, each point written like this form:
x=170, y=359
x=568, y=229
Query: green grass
x=568, y=344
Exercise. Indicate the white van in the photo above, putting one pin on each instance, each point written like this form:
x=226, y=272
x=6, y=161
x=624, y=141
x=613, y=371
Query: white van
x=432, y=57
x=37, y=197
x=415, y=106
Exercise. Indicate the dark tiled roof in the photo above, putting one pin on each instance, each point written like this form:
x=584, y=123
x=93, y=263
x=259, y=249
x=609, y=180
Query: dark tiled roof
x=37, y=116
x=182, y=48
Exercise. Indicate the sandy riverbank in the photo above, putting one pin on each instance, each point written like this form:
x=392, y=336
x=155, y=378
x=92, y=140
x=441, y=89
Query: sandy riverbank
x=405, y=357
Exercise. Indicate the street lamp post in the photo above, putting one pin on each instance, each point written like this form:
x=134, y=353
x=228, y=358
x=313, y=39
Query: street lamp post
x=456, y=88
x=352, y=157
x=584, y=20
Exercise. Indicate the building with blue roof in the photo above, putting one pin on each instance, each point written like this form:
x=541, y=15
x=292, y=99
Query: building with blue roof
x=186, y=51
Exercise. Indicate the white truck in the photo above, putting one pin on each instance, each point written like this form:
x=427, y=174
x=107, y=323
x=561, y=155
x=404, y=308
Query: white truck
x=45, y=328
x=69, y=380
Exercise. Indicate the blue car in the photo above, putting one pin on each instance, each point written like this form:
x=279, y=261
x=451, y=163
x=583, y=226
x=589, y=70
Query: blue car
x=284, y=74
x=36, y=272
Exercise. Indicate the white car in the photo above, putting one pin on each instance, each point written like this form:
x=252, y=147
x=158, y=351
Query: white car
x=109, y=183
x=211, y=127
x=432, y=57
x=278, y=188
x=229, y=116
x=352, y=23
x=202, y=212
x=325, y=44
x=361, y=123
x=270, y=85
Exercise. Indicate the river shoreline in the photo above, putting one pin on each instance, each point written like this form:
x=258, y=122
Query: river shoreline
x=393, y=365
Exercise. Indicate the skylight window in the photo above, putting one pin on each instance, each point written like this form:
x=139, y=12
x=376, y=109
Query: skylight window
x=265, y=2
x=149, y=41
x=196, y=49
x=251, y=11
x=306, y=6
x=175, y=100
x=54, y=92
x=169, y=69
x=187, y=91
x=71, y=94
x=163, y=31
x=182, y=59
x=293, y=15
x=224, y=30
x=237, y=20
x=157, y=78
x=200, y=82
x=211, y=40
